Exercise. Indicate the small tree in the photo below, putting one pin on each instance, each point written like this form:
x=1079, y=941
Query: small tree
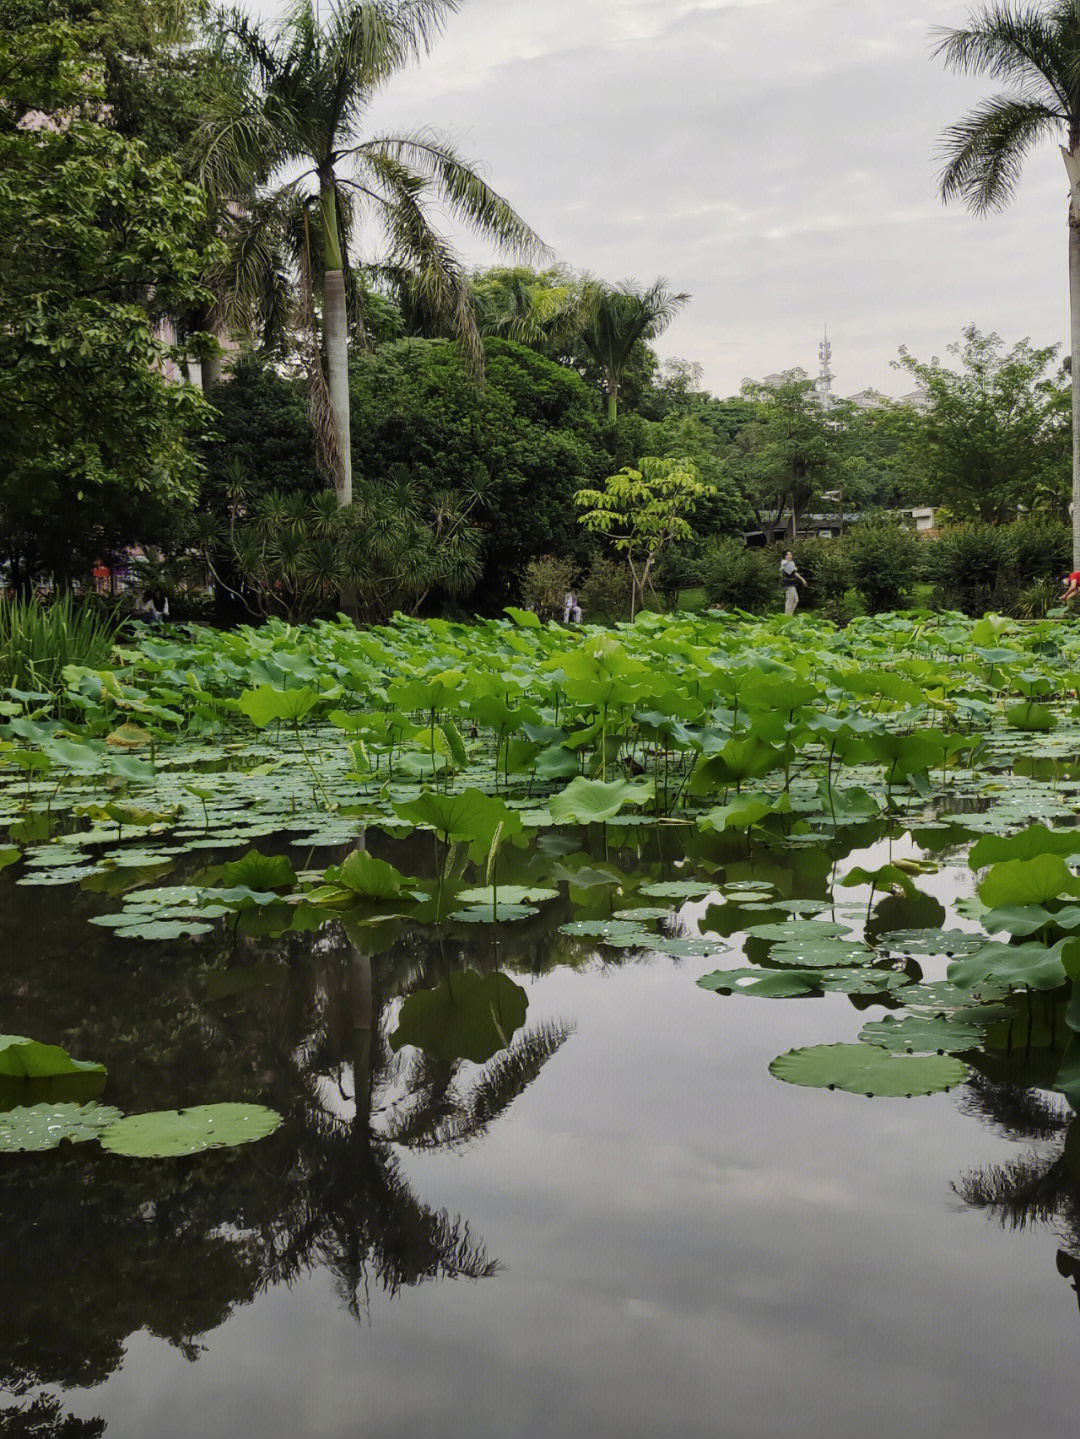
x=643, y=511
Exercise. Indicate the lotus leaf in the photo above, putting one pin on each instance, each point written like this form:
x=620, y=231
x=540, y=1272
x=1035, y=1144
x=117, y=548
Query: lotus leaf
x=469, y=1017
x=921, y=1035
x=169, y=1133
x=821, y=953
x=490, y=914
x=259, y=872
x=1027, y=881
x=265, y=704
x=470, y=816
x=592, y=801
x=363, y=874
x=1037, y=839
x=1031, y=965
x=945, y=942
x=799, y=930
x=867, y=1069
x=28, y=1058
x=678, y=888
x=46, y=1126
x=1030, y=716
x=508, y=894
x=620, y=933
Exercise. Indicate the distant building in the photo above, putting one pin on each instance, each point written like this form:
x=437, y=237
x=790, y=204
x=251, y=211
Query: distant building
x=862, y=400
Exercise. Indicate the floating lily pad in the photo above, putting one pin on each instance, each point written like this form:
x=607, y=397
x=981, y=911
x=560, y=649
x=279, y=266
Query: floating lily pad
x=488, y=914
x=821, y=953
x=46, y=1126
x=799, y=930
x=916, y=1034
x=678, y=888
x=621, y=933
x=866, y=1069
x=929, y=942
x=168, y=1133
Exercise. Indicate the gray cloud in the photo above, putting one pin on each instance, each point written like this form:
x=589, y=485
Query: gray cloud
x=777, y=158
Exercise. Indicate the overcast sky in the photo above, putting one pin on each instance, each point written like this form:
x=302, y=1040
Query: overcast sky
x=776, y=158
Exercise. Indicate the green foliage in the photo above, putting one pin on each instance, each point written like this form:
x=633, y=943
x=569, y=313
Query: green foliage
x=528, y=441
x=546, y=582
x=605, y=591
x=867, y=1069
x=37, y=640
x=643, y=511
x=884, y=562
x=787, y=455
x=735, y=577
x=169, y=1134
x=101, y=240
x=995, y=434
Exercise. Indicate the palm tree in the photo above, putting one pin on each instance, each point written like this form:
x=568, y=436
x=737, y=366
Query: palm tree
x=615, y=317
x=292, y=135
x=1036, y=52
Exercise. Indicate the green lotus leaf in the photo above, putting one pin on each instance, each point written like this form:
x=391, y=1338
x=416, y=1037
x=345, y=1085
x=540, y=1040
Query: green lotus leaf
x=799, y=930
x=1024, y=919
x=136, y=928
x=363, y=874
x=592, y=801
x=508, y=894
x=678, y=888
x=488, y=914
x=821, y=953
x=264, y=704
x=28, y=1058
x=259, y=872
x=9, y=854
x=169, y=1133
x=743, y=813
x=883, y=877
x=46, y=1126
x=942, y=997
x=468, y=817
x=1030, y=716
x=469, y=1017
x=945, y=942
x=1028, y=881
x=867, y=1069
x=916, y=1034
x=849, y=805
x=1031, y=965
x=1026, y=844
x=762, y=983
x=645, y=914
x=623, y=934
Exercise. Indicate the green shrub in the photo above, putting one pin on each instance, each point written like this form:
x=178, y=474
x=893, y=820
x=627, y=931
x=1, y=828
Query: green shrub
x=546, y=583
x=734, y=577
x=38, y=638
x=826, y=567
x=604, y=593
x=884, y=562
x=969, y=566
x=1039, y=550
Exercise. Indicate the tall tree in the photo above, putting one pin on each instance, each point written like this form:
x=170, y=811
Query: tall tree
x=614, y=318
x=1035, y=50
x=310, y=83
x=783, y=459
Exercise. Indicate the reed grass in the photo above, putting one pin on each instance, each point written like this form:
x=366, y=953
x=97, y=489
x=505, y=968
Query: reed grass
x=38, y=638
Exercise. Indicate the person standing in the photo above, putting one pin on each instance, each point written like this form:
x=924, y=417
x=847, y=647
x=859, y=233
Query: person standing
x=790, y=579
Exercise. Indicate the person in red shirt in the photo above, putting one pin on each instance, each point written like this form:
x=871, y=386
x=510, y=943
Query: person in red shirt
x=1071, y=586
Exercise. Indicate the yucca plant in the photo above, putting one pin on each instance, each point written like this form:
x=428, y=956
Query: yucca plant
x=37, y=639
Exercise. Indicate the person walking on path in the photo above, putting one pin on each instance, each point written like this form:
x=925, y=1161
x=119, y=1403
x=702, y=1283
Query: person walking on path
x=790, y=579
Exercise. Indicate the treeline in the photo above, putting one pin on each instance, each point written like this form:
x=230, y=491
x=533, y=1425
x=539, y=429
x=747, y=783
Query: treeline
x=402, y=433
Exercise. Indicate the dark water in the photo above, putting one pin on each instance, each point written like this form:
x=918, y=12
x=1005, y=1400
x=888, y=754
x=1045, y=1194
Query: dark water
x=647, y=1234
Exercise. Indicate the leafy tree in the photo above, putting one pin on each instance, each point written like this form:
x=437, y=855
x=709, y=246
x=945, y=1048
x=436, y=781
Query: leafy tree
x=644, y=511
x=309, y=85
x=994, y=435
x=1035, y=50
x=615, y=318
x=685, y=434
x=100, y=242
x=528, y=440
x=786, y=455
x=540, y=309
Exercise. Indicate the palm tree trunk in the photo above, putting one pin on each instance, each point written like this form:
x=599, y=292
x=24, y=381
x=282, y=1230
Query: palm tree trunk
x=335, y=321
x=1071, y=156
x=1074, y=367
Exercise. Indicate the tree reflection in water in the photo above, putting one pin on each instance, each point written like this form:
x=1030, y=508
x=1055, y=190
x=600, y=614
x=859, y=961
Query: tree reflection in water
x=98, y=1250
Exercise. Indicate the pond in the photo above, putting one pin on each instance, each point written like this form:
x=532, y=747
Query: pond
x=531, y=1177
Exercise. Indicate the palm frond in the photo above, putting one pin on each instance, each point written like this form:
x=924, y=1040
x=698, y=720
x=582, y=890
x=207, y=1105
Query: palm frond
x=467, y=196
x=986, y=149
x=1013, y=42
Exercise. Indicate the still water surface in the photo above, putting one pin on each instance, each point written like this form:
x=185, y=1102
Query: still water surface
x=646, y=1233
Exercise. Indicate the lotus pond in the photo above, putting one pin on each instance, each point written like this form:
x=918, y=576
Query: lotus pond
x=498, y=1030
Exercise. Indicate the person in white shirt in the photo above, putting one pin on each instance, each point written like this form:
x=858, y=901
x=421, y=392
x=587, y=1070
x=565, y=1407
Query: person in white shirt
x=571, y=610
x=790, y=579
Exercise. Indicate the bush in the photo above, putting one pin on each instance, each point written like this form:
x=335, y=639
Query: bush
x=605, y=591
x=826, y=567
x=1039, y=550
x=546, y=582
x=734, y=577
x=969, y=567
x=884, y=562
